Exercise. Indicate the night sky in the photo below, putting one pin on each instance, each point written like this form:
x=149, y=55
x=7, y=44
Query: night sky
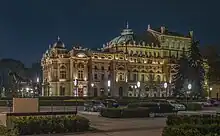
x=27, y=27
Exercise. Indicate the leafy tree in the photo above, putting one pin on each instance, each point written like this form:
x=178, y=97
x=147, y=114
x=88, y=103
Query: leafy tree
x=181, y=76
x=196, y=71
x=211, y=54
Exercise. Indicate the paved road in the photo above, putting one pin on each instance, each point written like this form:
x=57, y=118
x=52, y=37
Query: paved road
x=153, y=132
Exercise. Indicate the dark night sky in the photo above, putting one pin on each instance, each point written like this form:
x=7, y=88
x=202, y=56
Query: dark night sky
x=27, y=27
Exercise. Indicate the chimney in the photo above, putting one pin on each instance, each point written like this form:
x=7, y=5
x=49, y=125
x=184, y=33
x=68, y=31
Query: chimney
x=148, y=27
x=162, y=29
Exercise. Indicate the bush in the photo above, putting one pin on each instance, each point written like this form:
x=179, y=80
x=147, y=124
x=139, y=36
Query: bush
x=111, y=112
x=193, y=106
x=178, y=131
x=4, y=131
x=49, y=124
x=79, y=102
x=196, y=119
x=135, y=112
x=191, y=130
x=125, y=112
x=154, y=107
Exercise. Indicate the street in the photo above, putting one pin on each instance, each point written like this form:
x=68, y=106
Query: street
x=115, y=127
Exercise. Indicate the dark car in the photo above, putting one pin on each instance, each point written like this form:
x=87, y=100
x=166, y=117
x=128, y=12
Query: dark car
x=93, y=105
x=110, y=103
x=214, y=102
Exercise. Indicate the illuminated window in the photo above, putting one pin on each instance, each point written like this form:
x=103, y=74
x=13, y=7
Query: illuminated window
x=62, y=72
x=80, y=75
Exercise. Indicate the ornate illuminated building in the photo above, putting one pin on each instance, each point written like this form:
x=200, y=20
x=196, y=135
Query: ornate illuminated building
x=129, y=65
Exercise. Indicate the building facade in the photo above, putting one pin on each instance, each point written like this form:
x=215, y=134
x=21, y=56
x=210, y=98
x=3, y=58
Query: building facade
x=135, y=65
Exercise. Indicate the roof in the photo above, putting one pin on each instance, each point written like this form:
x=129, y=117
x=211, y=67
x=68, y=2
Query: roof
x=168, y=32
x=59, y=44
x=128, y=36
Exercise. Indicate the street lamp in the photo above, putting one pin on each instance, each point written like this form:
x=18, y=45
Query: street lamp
x=109, y=84
x=92, y=85
x=188, y=92
x=38, y=80
x=37, y=87
x=165, y=87
x=76, y=88
x=138, y=86
x=209, y=93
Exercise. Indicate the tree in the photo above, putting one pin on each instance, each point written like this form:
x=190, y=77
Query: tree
x=211, y=54
x=181, y=76
x=196, y=70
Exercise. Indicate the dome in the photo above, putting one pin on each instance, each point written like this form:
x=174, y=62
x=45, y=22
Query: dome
x=58, y=44
x=128, y=36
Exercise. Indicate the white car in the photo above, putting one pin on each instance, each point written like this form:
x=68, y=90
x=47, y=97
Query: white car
x=177, y=106
x=207, y=104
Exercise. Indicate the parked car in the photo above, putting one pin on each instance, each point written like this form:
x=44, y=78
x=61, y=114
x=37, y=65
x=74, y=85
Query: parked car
x=177, y=106
x=93, y=105
x=111, y=103
x=214, y=102
x=207, y=104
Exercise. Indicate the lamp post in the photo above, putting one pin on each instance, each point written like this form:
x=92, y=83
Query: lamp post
x=138, y=87
x=165, y=87
x=76, y=91
x=135, y=89
x=109, y=85
x=188, y=92
x=92, y=85
x=209, y=93
x=37, y=86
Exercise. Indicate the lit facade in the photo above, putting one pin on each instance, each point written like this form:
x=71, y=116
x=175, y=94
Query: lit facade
x=135, y=65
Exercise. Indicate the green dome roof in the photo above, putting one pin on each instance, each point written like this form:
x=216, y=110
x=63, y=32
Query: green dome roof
x=127, y=36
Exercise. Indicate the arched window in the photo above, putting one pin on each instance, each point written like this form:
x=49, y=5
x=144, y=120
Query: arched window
x=158, y=78
x=80, y=65
x=62, y=72
x=147, y=89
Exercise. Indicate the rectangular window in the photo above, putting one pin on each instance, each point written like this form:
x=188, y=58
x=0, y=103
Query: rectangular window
x=134, y=77
x=103, y=76
x=142, y=77
x=95, y=76
x=80, y=75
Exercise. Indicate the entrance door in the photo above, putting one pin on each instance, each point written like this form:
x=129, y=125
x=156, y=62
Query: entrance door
x=80, y=92
x=95, y=92
x=120, y=91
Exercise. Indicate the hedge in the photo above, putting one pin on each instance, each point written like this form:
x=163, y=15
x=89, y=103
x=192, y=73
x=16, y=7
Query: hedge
x=195, y=119
x=161, y=108
x=196, y=125
x=79, y=102
x=71, y=102
x=193, y=106
x=49, y=124
x=192, y=130
x=4, y=131
x=125, y=112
